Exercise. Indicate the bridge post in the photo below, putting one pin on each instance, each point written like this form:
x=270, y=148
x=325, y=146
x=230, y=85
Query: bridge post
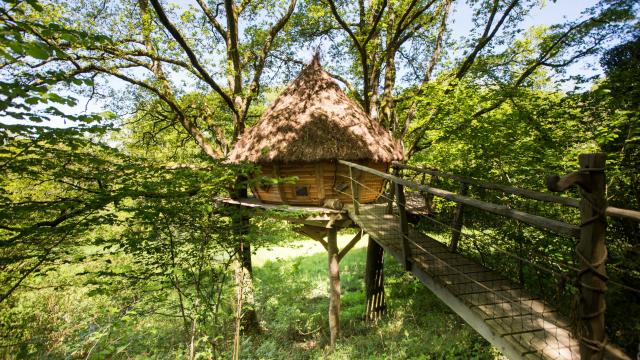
x=428, y=197
x=591, y=251
x=592, y=254
x=404, y=225
x=355, y=191
x=374, y=281
x=334, y=285
x=392, y=190
x=458, y=216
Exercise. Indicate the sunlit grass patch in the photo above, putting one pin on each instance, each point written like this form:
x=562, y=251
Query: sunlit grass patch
x=417, y=325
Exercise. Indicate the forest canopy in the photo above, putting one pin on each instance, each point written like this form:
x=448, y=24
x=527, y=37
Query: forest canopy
x=116, y=118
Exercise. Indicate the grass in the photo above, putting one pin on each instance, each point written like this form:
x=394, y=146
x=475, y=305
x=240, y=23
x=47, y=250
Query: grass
x=74, y=320
x=291, y=292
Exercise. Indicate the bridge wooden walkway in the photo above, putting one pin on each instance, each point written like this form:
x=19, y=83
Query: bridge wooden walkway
x=520, y=325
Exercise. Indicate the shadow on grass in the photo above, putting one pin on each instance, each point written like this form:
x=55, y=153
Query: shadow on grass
x=293, y=306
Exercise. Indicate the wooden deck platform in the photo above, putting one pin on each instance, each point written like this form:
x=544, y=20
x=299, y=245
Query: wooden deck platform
x=517, y=323
x=257, y=204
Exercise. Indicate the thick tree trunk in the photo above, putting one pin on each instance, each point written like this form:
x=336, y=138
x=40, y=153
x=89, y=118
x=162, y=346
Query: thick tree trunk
x=374, y=281
x=388, y=104
x=244, y=268
x=244, y=279
x=334, y=286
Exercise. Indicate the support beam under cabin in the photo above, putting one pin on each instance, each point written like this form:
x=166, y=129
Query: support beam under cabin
x=374, y=281
x=334, y=285
x=329, y=229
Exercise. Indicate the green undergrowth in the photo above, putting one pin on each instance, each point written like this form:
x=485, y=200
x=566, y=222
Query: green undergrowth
x=293, y=304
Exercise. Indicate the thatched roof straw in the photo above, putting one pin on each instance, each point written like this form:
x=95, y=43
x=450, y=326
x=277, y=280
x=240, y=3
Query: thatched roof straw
x=314, y=120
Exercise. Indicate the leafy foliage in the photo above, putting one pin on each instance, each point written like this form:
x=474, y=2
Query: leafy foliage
x=109, y=228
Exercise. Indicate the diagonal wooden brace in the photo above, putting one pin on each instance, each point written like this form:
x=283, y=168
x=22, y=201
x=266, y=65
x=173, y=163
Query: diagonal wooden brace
x=559, y=184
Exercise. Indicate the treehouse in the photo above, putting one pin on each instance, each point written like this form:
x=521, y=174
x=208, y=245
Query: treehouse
x=300, y=137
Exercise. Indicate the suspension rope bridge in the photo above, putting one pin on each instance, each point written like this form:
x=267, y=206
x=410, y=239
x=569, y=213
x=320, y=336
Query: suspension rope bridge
x=517, y=322
x=520, y=323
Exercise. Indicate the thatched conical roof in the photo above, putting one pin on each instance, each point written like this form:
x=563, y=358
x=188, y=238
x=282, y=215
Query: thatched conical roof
x=314, y=120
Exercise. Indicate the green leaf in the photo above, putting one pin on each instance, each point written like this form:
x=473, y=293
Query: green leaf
x=35, y=5
x=37, y=51
x=69, y=37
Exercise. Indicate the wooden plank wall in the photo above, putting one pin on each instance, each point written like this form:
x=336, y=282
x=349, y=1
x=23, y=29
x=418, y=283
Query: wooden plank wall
x=324, y=180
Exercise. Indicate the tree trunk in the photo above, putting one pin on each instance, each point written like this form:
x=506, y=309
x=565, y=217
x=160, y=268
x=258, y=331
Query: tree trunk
x=388, y=104
x=244, y=268
x=334, y=286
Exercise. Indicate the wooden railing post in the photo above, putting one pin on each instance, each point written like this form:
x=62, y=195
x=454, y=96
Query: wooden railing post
x=458, y=216
x=592, y=255
x=392, y=190
x=591, y=251
x=404, y=225
x=428, y=197
x=355, y=191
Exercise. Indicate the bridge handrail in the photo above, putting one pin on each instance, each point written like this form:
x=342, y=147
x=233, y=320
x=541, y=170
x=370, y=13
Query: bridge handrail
x=534, y=220
x=531, y=194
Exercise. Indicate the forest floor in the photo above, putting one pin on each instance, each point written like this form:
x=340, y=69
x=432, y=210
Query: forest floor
x=291, y=290
x=68, y=315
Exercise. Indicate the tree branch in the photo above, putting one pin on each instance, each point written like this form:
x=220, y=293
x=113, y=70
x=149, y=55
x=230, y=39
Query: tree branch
x=486, y=37
x=273, y=32
x=192, y=57
x=212, y=17
x=376, y=21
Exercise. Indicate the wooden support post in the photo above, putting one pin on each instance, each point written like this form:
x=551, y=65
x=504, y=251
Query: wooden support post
x=240, y=222
x=458, y=217
x=592, y=254
x=355, y=191
x=334, y=286
x=591, y=251
x=374, y=281
x=404, y=225
x=428, y=197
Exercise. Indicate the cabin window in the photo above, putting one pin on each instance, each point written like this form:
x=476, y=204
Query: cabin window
x=302, y=191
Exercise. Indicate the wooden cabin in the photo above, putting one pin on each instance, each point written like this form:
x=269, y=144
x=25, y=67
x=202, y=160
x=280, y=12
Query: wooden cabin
x=300, y=137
